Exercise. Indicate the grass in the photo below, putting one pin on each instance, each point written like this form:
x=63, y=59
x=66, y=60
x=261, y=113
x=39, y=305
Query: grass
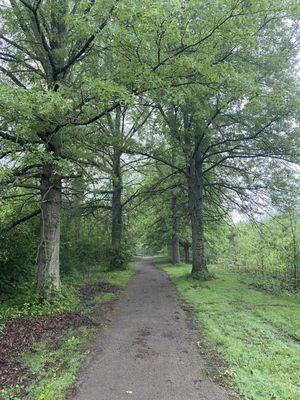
x=53, y=362
x=52, y=368
x=55, y=369
x=28, y=303
x=255, y=332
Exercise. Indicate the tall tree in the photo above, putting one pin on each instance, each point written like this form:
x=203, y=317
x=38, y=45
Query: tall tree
x=43, y=51
x=236, y=123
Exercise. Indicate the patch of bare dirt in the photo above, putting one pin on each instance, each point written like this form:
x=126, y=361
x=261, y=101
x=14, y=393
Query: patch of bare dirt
x=258, y=286
x=90, y=290
x=21, y=333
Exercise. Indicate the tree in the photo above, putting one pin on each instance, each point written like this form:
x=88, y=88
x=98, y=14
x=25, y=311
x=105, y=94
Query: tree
x=236, y=123
x=222, y=81
x=59, y=60
x=44, y=48
x=111, y=139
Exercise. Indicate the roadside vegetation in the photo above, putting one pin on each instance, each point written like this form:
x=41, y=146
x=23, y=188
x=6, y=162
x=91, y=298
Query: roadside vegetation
x=255, y=332
x=248, y=309
x=45, y=342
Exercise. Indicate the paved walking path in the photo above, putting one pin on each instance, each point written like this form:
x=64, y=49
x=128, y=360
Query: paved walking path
x=149, y=352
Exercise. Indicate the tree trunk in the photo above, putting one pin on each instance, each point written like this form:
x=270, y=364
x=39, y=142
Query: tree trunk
x=48, y=259
x=175, y=249
x=175, y=255
x=48, y=252
x=186, y=248
x=116, y=231
x=195, y=192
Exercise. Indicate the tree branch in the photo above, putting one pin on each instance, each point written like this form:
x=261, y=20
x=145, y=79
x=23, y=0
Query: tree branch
x=21, y=220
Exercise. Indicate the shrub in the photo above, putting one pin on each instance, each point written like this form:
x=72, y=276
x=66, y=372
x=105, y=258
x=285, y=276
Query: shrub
x=117, y=257
x=17, y=258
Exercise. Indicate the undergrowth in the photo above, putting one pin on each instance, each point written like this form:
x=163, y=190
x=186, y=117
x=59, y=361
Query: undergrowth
x=50, y=365
x=27, y=303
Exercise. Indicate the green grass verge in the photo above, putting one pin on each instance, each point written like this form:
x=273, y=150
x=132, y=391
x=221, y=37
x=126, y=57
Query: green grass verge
x=256, y=333
x=52, y=365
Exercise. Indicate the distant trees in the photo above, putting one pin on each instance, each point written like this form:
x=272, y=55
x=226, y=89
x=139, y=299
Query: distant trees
x=269, y=248
x=163, y=220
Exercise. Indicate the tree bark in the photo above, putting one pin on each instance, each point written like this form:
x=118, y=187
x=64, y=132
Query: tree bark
x=175, y=255
x=186, y=248
x=48, y=252
x=48, y=257
x=116, y=231
x=195, y=194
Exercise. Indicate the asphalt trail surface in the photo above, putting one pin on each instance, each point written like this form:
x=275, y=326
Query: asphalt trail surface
x=149, y=351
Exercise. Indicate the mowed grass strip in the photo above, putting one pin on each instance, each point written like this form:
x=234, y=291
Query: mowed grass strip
x=255, y=332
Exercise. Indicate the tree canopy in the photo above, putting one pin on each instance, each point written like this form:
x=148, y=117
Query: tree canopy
x=176, y=112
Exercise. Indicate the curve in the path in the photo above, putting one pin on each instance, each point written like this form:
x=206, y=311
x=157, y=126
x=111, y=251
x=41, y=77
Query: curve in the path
x=149, y=352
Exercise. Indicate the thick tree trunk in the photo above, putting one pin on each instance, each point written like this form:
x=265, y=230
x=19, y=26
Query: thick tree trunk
x=175, y=255
x=48, y=260
x=195, y=189
x=116, y=210
x=48, y=252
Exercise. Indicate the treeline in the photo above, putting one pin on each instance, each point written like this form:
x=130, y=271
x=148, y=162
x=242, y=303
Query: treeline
x=269, y=248
x=117, y=117
x=85, y=242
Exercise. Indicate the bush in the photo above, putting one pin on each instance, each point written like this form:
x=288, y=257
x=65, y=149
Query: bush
x=17, y=258
x=117, y=257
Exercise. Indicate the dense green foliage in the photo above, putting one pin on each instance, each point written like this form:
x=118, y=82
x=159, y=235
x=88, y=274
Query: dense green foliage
x=17, y=259
x=269, y=248
x=97, y=95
